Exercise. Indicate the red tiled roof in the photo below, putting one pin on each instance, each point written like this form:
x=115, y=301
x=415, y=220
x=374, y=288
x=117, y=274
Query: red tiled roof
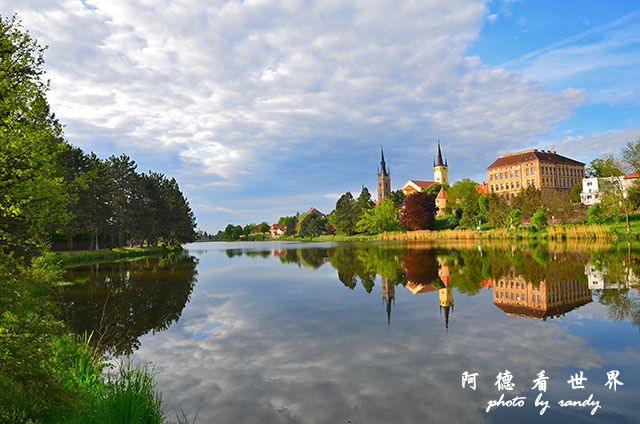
x=482, y=188
x=421, y=184
x=441, y=194
x=316, y=212
x=279, y=227
x=533, y=155
x=633, y=175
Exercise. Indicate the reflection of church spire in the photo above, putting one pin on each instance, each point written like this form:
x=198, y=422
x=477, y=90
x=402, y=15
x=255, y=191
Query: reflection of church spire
x=388, y=296
x=446, y=304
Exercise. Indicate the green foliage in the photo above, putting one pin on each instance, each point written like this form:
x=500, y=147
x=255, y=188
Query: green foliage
x=574, y=194
x=631, y=154
x=397, y=197
x=289, y=222
x=382, y=217
x=345, y=217
x=310, y=225
x=33, y=197
x=602, y=167
x=528, y=200
x=538, y=220
x=595, y=214
x=433, y=189
x=497, y=210
x=514, y=218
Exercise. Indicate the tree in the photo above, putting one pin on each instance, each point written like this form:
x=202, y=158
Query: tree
x=310, y=225
x=631, y=155
x=33, y=198
x=288, y=222
x=433, y=189
x=418, y=212
x=263, y=227
x=574, y=195
x=514, y=218
x=539, y=220
x=397, y=197
x=528, y=200
x=614, y=197
x=600, y=166
x=382, y=217
x=362, y=204
x=344, y=217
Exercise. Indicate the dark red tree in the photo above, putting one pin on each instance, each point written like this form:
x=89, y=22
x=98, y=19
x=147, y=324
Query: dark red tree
x=418, y=212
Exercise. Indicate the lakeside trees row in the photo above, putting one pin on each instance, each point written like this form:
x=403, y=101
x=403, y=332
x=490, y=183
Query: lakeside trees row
x=111, y=197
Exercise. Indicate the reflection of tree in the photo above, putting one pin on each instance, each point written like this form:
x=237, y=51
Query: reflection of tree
x=421, y=267
x=123, y=301
x=621, y=305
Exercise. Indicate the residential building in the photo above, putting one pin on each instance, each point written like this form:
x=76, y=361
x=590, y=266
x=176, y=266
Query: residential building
x=543, y=169
x=592, y=188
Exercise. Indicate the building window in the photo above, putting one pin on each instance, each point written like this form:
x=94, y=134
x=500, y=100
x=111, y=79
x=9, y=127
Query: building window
x=491, y=177
x=517, y=184
x=589, y=183
x=527, y=171
x=501, y=175
x=511, y=174
x=533, y=171
x=517, y=172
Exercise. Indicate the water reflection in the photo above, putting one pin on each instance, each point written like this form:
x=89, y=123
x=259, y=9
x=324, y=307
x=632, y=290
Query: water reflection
x=534, y=281
x=120, y=302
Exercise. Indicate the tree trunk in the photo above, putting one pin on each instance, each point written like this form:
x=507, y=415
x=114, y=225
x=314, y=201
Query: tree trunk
x=92, y=239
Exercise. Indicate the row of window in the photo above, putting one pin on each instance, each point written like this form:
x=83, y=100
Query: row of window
x=568, y=172
x=516, y=185
x=518, y=296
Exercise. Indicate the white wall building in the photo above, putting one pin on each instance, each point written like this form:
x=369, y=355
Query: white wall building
x=592, y=187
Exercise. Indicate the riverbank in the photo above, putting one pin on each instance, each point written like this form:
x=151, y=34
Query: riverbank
x=47, y=374
x=87, y=257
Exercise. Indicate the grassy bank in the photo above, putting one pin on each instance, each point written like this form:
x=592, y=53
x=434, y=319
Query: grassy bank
x=84, y=257
x=47, y=374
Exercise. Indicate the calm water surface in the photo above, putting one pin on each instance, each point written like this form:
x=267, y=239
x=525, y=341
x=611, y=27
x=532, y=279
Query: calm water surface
x=373, y=333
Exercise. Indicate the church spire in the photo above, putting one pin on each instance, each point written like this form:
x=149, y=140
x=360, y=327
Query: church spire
x=383, y=165
x=440, y=163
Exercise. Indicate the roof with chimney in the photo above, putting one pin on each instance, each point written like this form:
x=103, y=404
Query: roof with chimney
x=533, y=155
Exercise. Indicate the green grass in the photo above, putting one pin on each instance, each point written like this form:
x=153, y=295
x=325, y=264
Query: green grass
x=85, y=257
x=48, y=375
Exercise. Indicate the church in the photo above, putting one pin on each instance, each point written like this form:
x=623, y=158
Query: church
x=440, y=175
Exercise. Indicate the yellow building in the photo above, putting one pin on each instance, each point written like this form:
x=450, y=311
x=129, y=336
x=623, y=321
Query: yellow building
x=543, y=169
x=440, y=169
x=547, y=299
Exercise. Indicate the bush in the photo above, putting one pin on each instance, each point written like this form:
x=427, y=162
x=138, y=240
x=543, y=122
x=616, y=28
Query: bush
x=538, y=220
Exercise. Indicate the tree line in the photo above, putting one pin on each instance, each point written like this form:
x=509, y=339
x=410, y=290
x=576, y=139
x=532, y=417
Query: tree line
x=111, y=198
x=52, y=189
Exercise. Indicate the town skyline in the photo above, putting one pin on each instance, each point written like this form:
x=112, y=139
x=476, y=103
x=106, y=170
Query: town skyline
x=262, y=109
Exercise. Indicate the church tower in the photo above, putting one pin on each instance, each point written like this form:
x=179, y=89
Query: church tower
x=440, y=169
x=384, y=179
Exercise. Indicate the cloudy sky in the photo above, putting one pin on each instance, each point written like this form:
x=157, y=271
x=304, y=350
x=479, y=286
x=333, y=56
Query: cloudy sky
x=261, y=108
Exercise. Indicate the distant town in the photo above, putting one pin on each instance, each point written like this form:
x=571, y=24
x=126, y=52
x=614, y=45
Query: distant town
x=532, y=188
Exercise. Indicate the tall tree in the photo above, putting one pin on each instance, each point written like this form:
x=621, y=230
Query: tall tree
x=33, y=192
x=419, y=212
x=345, y=215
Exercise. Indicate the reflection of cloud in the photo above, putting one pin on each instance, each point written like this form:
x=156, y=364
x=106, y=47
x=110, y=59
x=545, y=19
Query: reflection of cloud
x=316, y=352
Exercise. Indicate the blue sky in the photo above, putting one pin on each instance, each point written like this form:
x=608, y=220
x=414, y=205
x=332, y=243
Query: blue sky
x=263, y=108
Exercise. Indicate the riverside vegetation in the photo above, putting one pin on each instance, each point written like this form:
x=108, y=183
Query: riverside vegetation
x=51, y=189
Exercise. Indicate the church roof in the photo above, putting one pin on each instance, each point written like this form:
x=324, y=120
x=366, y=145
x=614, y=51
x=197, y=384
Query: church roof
x=533, y=155
x=418, y=185
x=441, y=194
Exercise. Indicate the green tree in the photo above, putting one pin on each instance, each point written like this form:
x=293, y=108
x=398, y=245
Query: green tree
x=631, y=155
x=397, y=197
x=600, y=167
x=345, y=215
x=362, y=204
x=34, y=197
x=528, y=200
x=514, y=218
x=310, y=225
x=539, y=220
x=288, y=222
x=497, y=210
x=382, y=217
x=574, y=195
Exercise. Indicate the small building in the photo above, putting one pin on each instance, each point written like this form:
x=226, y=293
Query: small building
x=543, y=169
x=315, y=211
x=277, y=230
x=441, y=202
x=594, y=186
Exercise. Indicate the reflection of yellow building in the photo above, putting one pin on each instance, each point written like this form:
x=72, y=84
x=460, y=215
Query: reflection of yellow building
x=548, y=299
x=446, y=303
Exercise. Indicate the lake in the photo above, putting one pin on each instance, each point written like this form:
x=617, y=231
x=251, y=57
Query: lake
x=287, y=332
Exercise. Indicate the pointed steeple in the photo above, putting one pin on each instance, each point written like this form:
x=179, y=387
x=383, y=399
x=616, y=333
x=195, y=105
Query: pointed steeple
x=439, y=163
x=383, y=165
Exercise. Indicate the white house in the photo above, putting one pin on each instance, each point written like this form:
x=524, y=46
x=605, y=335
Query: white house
x=591, y=187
